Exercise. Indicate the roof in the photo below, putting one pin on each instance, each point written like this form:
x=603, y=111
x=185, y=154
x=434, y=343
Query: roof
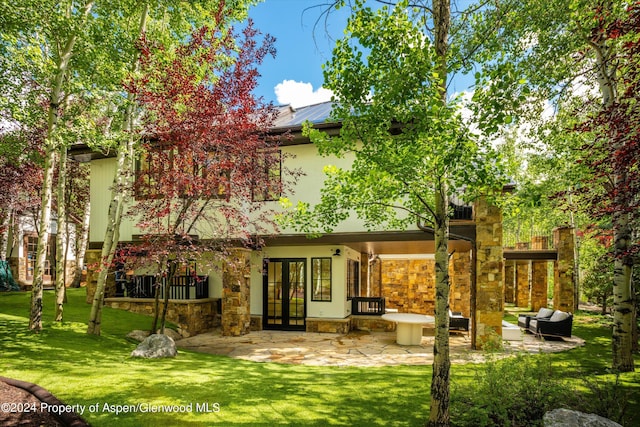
x=292, y=117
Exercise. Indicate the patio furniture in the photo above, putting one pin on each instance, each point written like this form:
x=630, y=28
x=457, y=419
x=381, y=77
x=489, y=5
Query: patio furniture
x=557, y=326
x=409, y=329
x=524, y=319
x=511, y=332
x=457, y=322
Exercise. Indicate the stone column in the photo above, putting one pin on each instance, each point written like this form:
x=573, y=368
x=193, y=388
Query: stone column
x=236, y=312
x=510, y=281
x=539, y=285
x=489, y=307
x=522, y=283
x=460, y=276
x=563, y=290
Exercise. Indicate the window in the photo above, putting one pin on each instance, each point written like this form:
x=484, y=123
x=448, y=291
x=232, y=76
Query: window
x=151, y=167
x=353, y=278
x=268, y=182
x=156, y=175
x=321, y=279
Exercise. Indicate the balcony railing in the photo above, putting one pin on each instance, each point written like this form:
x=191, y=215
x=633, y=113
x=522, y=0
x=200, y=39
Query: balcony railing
x=367, y=305
x=182, y=287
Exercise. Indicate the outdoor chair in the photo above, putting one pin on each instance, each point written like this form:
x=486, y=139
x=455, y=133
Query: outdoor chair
x=457, y=322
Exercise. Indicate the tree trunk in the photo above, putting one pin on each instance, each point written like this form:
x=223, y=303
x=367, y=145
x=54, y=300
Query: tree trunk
x=119, y=193
x=51, y=144
x=112, y=236
x=35, y=318
x=5, y=226
x=167, y=290
x=81, y=244
x=622, y=299
x=439, y=408
x=439, y=414
x=61, y=236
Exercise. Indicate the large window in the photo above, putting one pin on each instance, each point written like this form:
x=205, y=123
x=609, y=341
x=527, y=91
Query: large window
x=268, y=184
x=321, y=279
x=353, y=278
x=157, y=175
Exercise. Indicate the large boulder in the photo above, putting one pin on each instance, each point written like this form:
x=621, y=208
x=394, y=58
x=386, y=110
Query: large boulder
x=155, y=346
x=569, y=418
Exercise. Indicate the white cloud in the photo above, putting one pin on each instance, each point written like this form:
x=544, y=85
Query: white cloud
x=299, y=94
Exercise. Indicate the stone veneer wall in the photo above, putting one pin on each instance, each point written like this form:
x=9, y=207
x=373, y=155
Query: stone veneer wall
x=236, y=313
x=460, y=277
x=563, y=291
x=523, y=269
x=192, y=316
x=409, y=284
x=539, y=285
x=489, y=307
x=510, y=281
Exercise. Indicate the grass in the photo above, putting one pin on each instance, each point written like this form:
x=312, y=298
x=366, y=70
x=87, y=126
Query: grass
x=88, y=370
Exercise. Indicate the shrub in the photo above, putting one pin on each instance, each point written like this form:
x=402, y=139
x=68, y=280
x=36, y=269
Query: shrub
x=512, y=392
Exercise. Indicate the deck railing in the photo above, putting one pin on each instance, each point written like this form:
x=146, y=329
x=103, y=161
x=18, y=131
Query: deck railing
x=367, y=305
x=182, y=287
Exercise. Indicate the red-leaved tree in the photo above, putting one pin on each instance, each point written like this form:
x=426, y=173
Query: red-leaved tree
x=208, y=164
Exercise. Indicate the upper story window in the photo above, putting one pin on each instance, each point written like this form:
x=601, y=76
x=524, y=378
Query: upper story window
x=268, y=182
x=169, y=173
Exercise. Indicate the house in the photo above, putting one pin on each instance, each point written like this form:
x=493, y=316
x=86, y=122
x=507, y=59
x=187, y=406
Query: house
x=334, y=283
x=21, y=250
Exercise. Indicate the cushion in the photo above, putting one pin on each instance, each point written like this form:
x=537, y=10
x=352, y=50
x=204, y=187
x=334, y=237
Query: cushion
x=559, y=316
x=544, y=313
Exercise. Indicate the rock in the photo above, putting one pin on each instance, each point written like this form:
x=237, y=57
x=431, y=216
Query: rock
x=155, y=346
x=569, y=418
x=138, y=335
x=172, y=334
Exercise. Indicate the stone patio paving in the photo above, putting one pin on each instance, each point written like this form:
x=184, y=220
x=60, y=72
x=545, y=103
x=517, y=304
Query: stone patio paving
x=358, y=348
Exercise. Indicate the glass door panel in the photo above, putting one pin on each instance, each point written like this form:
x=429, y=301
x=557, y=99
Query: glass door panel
x=284, y=294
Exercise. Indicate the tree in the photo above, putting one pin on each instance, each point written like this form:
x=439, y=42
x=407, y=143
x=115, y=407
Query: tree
x=412, y=150
x=209, y=154
x=560, y=52
x=615, y=161
x=168, y=21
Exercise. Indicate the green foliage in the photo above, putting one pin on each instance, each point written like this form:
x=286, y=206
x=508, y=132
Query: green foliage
x=509, y=392
x=406, y=142
x=604, y=396
x=597, y=284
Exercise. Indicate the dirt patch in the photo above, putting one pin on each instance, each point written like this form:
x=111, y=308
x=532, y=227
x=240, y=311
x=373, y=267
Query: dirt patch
x=22, y=405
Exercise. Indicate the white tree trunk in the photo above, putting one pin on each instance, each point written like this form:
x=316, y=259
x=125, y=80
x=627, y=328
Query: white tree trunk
x=61, y=236
x=51, y=146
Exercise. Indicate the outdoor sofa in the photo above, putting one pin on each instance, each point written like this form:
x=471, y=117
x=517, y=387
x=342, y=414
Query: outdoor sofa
x=557, y=326
x=524, y=319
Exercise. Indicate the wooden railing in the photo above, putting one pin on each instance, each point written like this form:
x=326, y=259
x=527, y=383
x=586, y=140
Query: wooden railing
x=182, y=287
x=367, y=305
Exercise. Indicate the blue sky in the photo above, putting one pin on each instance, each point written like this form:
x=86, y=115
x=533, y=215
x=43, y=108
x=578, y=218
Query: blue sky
x=296, y=72
x=295, y=75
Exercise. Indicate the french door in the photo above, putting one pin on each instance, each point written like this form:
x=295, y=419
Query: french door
x=284, y=285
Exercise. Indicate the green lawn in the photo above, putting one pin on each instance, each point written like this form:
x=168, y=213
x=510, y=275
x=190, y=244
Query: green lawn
x=89, y=370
